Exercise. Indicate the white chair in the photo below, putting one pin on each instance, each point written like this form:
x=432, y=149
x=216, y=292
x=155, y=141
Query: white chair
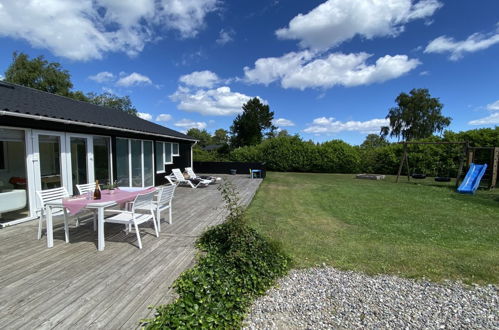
x=52, y=195
x=192, y=175
x=178, y=178
x=129, y=218
x=164, y=202
x=84, y=189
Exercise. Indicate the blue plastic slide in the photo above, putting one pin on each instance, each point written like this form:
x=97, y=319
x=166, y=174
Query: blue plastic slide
x=472, y=179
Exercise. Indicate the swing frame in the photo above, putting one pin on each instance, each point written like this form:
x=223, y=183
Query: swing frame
x=405, y=158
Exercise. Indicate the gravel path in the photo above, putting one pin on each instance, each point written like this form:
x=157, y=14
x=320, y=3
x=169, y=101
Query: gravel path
x=325, y=298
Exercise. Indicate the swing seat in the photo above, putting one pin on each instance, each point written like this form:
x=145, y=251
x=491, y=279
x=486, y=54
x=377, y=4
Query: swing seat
x=442, y=179
x=418, y=176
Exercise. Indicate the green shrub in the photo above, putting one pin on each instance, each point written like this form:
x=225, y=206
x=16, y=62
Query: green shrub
x=337, y=156
x=236, y=266
x=291, y=153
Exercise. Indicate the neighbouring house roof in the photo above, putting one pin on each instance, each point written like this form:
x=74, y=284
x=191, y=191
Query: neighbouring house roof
x=19, y=99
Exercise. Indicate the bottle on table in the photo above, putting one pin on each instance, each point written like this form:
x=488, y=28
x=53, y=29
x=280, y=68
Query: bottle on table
x=97, y=194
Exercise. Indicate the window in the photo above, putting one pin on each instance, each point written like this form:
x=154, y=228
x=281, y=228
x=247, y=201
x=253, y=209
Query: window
x=102, y=159
x=148, y=158
x=175, y=149
x=164, y=155
x=3, y=157
x=160, y=157
x=168, y=153
x=135, y=159
x=122, y=162
x=136, y=163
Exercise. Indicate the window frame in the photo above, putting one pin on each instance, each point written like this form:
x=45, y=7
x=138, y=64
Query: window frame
x=4, y=165
x=178, y=150
x=130, y=177
x=162, y=146
x=171, y=155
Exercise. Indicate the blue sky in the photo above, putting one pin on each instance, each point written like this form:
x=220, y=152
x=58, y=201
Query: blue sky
x=328, y=69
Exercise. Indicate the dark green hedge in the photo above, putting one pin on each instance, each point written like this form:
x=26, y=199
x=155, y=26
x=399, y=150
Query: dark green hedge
x=291, y=153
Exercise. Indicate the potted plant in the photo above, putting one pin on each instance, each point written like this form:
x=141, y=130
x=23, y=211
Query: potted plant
x=112, y=186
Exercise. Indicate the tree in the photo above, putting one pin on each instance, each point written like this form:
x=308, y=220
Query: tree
x=283, y=133
x=417, y=116
x=50, y=77
x=374, y=141
x=221, y=136
x=38, y=73
x=123, y=103
x=249, y=127
x=202, y=135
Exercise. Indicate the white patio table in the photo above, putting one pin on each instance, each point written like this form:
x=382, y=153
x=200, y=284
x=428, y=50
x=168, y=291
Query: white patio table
x=77, y=203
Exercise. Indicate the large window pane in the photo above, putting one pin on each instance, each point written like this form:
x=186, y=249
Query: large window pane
x=102, y=163
x=78, y=161
x=14, y=203
x=122, y=164
x=175, y=149
x=50, y=161
x=148, y=169
x=159, y=157
x=168, y=153
x=136, y=163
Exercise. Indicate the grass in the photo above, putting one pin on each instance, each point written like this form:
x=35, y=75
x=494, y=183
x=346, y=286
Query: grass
x=417, y=229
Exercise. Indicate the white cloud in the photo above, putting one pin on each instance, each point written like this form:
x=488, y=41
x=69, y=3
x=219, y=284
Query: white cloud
x=87, y=29
x=492, y=119
x=164, y=117
x=2, y=77
x=336, y=21
x=102, y=77
x=457, y=49
x=200, y=79
x=493, y=106
x=133, y=79
x=186, y=16
x=330, y=125
x=270, y=69
x=144, y=115
x=214, y=102
x=188, y=123
x=225, y=36
x=301, y=70
x=283, y=122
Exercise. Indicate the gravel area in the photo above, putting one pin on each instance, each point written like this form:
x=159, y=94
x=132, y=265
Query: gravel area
x=325, y=298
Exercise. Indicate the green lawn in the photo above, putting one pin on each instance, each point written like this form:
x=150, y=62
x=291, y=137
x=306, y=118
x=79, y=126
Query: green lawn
x=410, y=229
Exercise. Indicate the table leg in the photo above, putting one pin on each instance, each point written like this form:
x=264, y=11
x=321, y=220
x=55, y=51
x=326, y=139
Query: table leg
x=101, y=244
x=50, y=229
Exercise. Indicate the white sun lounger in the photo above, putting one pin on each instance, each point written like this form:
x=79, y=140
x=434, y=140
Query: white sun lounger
x=178, y=178
x=192, y=175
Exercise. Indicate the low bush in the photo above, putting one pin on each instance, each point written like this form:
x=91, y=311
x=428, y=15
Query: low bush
x=236, y=266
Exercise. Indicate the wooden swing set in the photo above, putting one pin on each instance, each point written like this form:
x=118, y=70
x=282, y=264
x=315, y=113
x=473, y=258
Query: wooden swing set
x=468, y=154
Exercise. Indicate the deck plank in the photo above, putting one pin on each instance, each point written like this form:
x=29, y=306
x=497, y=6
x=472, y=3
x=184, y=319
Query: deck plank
x=75, y=286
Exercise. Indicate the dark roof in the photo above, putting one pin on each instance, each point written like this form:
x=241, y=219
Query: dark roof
x=25, y=100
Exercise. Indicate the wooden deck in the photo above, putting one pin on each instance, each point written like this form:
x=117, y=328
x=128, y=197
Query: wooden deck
x=75, y=286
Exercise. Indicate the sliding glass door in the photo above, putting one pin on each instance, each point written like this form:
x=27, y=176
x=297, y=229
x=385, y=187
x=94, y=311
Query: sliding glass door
x=66, y=160
x=49, y=158
x=102, y=159
x=134, y=163
x=80, y=158
x=14, y=179
x=33, y=160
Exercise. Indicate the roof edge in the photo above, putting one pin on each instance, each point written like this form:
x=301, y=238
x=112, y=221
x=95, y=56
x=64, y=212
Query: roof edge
x=70, y=122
